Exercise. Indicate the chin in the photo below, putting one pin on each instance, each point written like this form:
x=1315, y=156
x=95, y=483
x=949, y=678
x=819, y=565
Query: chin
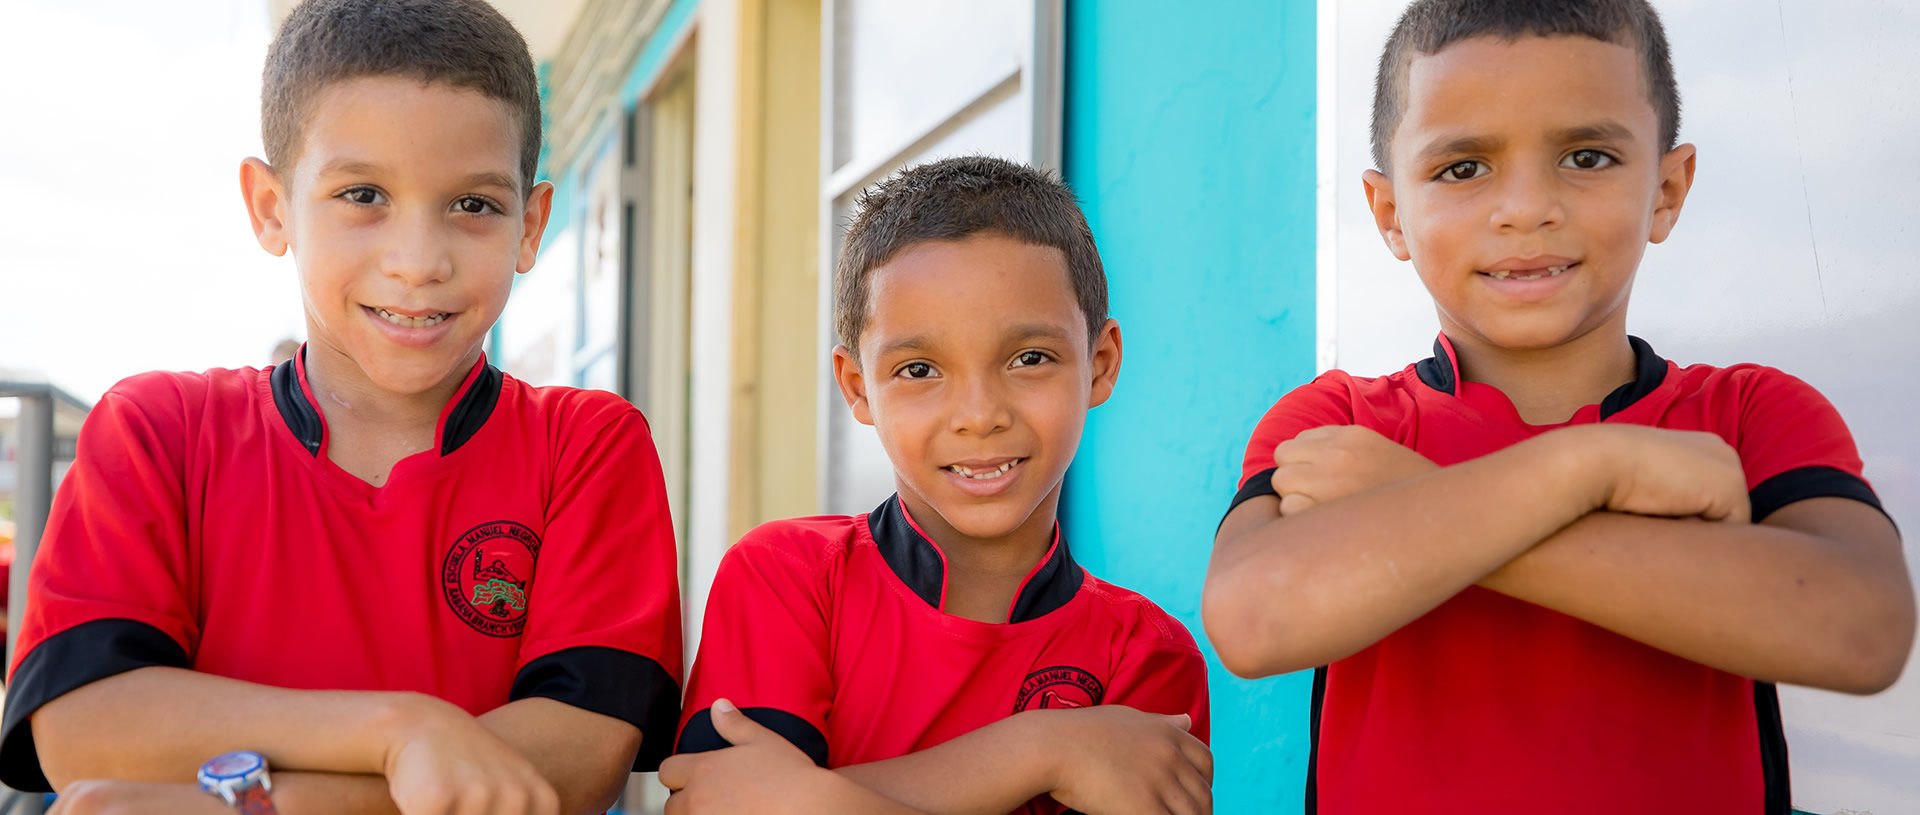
x=994, y=519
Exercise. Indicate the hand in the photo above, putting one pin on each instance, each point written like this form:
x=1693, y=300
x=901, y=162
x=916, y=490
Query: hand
x=1668, y=473
x=1327, y=463
x=104, y=797
x=762, y=772
x=1114, y=760
x=443, y=761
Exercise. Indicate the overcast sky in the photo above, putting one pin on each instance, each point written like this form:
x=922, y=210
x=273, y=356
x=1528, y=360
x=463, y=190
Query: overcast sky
x=127, y=246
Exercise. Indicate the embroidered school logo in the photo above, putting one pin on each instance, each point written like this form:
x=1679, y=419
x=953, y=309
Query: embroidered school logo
x=1058, y=687
x=486, y=574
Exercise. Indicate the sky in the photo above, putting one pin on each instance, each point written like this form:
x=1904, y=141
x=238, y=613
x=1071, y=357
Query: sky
x=127, y=244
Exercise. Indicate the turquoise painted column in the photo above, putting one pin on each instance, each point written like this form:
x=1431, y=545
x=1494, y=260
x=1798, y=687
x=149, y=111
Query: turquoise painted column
x=1190, y=139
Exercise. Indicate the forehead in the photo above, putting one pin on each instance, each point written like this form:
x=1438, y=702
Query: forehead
x=1492, y=87
x=977, y=290
x=408, y=126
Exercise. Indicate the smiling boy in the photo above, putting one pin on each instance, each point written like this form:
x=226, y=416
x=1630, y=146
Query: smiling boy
x=1546, y=570
x=945, y=651
x=404, y=579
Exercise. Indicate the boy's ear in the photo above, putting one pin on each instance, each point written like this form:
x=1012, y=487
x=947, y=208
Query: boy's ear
x=1106, y=363
x=533, y=224
x=1386, y=217
x=853, y=384
x=266, y=205
x=1676, y=178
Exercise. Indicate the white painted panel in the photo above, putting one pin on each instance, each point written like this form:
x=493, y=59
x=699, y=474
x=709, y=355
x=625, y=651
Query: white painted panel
x=898, y=66
x=1793, y=251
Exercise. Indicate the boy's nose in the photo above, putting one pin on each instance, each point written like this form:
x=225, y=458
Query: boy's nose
x=981, y=409
x=1529, y=200
x=416, y=252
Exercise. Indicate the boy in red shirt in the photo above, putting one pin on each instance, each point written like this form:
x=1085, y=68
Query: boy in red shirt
x=944, y=653
x=406, y=580
x=1546, y=570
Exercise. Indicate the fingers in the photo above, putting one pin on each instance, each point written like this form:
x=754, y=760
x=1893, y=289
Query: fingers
x=1182, y=721
x=676, y=771
x=734, y=726
x=1295, y=503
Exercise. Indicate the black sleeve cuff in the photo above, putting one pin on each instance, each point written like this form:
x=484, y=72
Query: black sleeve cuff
x=1802, y=483
x=699, y=737
x=1258, y=484
x=611, y=682
x=85, y=653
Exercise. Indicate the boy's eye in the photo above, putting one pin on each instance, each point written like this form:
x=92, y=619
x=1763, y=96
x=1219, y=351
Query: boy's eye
x=1028, y=358
x=1587, y=160
x=1462, y=170
x=365, y=196
x=474, y=205
x=916, y=370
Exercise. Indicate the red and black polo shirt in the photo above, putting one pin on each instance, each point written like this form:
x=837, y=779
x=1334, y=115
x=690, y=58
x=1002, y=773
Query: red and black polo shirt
x=831, y=631
x=202, y=526
x=1492, y=704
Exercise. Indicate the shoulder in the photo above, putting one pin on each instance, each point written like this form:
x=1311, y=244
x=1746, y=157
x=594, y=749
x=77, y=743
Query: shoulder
x=1147, y=625
x=564, y=407
x=1743, y=394
x=808, y=544
x=171, y=398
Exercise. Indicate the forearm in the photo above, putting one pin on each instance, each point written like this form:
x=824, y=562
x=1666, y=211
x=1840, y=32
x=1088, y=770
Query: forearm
x=1761, y=601
x=989, y=771
x=1285, y=593
x=160, y=724
x=585, y=756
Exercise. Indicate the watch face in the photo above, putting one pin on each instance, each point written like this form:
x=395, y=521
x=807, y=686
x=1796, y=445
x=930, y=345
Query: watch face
x=232, y=766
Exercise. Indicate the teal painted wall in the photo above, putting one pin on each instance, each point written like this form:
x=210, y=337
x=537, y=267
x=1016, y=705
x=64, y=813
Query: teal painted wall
x=1190, y=139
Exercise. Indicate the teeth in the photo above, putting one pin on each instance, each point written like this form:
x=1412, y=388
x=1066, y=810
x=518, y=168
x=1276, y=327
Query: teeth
x=987, y=474
x=1552, y=271
x=410, y=322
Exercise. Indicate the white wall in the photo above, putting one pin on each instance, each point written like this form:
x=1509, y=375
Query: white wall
x=1793, y=251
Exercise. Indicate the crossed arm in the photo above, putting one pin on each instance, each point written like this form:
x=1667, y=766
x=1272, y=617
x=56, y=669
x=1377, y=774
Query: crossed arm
x=331, y=751
x=1638, y=530
x=1104, y=759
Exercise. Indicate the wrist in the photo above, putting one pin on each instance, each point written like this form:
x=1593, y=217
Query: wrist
x=1582, y=460
x=1035, y=739
x=397, y=718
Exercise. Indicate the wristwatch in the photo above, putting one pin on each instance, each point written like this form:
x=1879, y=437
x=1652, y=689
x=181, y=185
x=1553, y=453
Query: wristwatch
x=240, y=779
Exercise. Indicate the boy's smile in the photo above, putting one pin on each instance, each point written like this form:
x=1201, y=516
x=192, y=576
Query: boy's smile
x=406, y=219
x=975, y=369
x=1526, y=184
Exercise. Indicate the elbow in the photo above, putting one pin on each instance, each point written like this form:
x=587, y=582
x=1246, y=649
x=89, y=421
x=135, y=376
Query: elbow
x=1242, y=628
x=1885, y=657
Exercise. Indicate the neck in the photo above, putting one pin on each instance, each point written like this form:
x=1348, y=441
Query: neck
x=1546, y=386
x=984, y=573
x=344, y=395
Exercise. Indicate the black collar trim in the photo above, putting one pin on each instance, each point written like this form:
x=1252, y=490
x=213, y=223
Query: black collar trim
x=920, y=564
x=472, y=409
x=290, y=397
x=1441, y=372
x=480, y=393
x=1649, y=370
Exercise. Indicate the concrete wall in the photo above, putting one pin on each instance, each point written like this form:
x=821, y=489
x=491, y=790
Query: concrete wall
x=1190, y=138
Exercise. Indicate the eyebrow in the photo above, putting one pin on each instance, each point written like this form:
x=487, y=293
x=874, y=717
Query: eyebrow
x=1607, y=130
x=357, y=167
x=1460, y=146
x=1023, y=332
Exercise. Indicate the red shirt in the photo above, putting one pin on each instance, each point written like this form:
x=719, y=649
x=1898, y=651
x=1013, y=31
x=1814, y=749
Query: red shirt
x=831, y=631
x=202, y=526
x=1491, y=704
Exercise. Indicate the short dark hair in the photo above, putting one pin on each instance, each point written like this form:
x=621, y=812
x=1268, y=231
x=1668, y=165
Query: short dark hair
x=462, y=43
x=956, y=198
x=1430, y=25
